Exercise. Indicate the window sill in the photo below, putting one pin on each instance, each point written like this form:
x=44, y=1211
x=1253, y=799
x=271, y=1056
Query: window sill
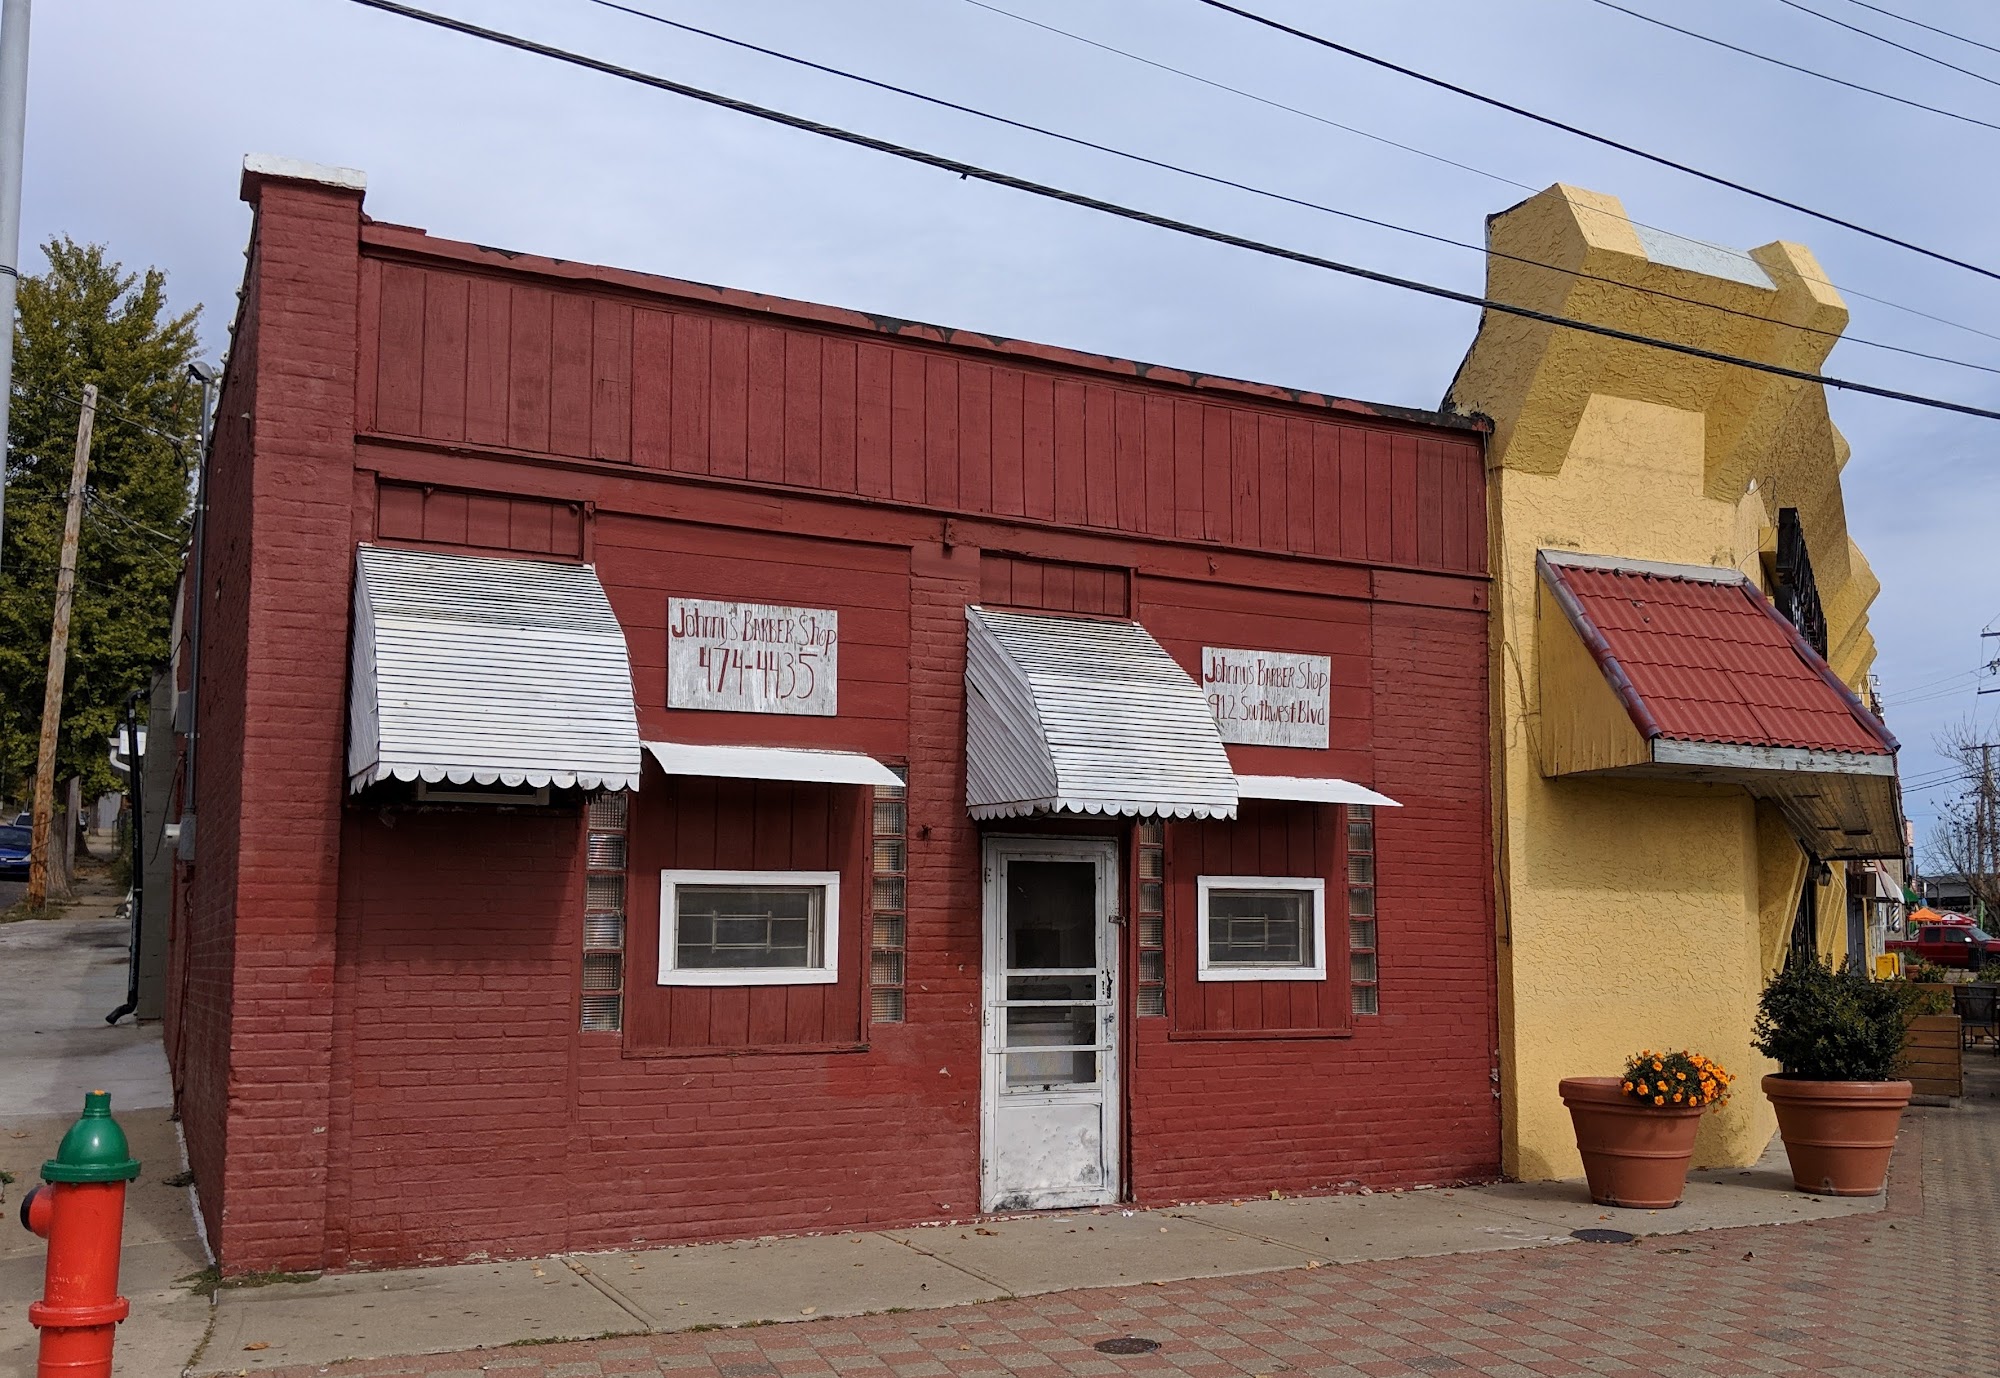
x=1242, y=1035
x=631, y=1054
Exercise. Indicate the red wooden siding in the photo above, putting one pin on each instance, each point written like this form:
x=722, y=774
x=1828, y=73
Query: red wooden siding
x=742, y=825
x=465, y=358
x=478, y=521
x=1184, y=616
x=1268, y=838
x=644, y=564
x=1019, y=581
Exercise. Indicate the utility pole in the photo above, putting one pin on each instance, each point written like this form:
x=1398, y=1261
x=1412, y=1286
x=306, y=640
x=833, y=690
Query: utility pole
x=13, y=140
x=52, y=695
x=1989, y=820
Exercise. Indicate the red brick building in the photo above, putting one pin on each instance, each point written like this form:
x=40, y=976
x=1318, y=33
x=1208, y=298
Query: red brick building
x=564, y=638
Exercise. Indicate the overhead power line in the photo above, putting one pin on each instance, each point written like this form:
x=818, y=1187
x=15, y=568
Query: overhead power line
x=1248, y=95
x=1266, y=192
x=1604, y=140
x=1884, y=38
x=1711, y=39
x=973, y=171
x=1929, y=28
x=1477, y=171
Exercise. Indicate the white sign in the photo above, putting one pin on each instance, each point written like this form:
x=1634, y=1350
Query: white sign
x=752, y=657
x=1267, y=698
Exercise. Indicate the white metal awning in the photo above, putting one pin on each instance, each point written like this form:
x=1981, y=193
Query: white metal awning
x=1084, y=715
x=470, y=669
x=1313, y=791
x=772, y=763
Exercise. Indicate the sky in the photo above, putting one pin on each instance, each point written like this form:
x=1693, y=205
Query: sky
x=140, y=113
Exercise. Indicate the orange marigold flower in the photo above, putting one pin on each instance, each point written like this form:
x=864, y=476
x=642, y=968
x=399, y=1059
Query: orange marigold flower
x=1659, y=1100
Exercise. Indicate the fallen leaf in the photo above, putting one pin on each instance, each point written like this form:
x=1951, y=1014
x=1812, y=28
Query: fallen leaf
x=1163, y=1229
x=258, y=1344
x=1312, y=1263
x=1276, y=1197
x=983, y=1230
x=1750, y=1255
x=807, y=1310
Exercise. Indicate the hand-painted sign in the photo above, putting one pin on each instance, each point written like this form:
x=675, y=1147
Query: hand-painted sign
x=752, y=657
x=1267, y=698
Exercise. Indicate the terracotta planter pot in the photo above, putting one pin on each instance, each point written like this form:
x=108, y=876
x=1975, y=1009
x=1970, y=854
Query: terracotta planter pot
x=1634, y=1155
x=1838, y=1134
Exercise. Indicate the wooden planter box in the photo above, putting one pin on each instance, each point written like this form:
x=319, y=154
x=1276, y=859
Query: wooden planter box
x=1932, y=1056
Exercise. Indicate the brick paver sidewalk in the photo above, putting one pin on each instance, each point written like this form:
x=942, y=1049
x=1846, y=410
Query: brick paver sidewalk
x=1914, y=1290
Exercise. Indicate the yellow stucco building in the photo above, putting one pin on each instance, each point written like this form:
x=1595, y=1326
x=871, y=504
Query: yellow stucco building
x=1649, y=876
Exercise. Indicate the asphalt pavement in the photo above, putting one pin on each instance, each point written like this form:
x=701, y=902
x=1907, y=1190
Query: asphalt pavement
x=10, y=893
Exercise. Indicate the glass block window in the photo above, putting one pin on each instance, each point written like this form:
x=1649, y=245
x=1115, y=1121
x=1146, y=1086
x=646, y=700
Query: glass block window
x=1363, y=966
x=749, y=928
x=604, y=913
x=1261, y=928
x=1149, y=847
x=889, y=900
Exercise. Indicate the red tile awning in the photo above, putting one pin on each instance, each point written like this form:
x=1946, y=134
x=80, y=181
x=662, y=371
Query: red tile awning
x=1718, y=686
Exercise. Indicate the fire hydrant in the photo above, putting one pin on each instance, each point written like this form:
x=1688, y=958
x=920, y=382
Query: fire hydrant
x=81, y=1212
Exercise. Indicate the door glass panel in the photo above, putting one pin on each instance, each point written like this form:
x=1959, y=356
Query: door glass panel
x=1051, y=914
x=1052, y=988
x=1051, y=1026
x=1051, y=927
x=1045, y=1071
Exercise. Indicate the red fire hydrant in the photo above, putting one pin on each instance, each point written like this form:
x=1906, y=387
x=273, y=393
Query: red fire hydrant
x=81, y=1212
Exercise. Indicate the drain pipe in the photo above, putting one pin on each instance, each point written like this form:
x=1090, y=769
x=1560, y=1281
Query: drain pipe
x=211, y=382
x=135, y=831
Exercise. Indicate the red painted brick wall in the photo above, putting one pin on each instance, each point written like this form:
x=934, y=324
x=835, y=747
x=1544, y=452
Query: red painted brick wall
x=379, y=1054
x=258, y=968
x=460, y=946
x=1407, y=1097
x=201, y=939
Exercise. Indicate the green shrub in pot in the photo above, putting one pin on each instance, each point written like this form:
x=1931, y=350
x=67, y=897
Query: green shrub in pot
x=1839, y=1038
x=1823, y=1024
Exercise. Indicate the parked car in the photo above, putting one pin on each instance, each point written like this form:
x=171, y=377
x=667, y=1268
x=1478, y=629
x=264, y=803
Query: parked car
x=14, y=842
x=1962, y=944
x=24, y=819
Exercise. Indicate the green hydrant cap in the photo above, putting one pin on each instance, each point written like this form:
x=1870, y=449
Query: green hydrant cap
x=94, y=1150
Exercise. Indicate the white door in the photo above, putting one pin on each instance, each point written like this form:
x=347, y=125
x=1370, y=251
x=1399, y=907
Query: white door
x=1049, y=1131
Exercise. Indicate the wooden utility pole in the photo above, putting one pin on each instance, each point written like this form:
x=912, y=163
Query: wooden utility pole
x=52, y=695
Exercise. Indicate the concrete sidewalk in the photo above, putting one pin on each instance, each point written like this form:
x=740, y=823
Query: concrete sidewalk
x=577, y=1296
x=62, y=976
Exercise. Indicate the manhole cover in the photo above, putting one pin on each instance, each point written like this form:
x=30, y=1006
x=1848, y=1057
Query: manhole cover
x=1126, y=1344
x=1602, y=1236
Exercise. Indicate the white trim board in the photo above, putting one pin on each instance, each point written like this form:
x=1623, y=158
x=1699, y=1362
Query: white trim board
x=772, y=763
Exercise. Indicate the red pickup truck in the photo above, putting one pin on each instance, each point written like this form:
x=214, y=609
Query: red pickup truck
x=1960, y=944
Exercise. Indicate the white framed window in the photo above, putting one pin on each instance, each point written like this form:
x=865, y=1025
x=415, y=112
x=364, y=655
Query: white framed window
x=1261, y=928
x=749, y=928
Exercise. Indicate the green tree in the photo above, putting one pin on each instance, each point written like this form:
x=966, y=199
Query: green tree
x=87, y=320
